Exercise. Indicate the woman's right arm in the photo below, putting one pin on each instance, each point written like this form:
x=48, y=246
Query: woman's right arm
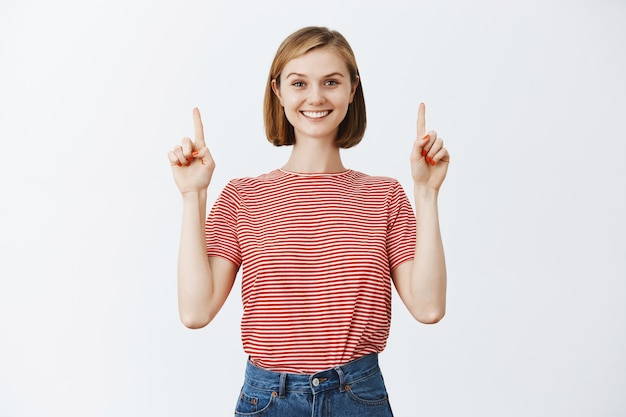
x=203, y=282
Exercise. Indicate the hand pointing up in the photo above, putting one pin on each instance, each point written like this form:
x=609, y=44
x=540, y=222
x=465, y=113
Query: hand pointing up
x=429, y=159
x=192, y=163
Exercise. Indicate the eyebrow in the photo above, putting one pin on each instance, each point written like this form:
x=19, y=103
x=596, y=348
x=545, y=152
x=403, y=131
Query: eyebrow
x=334, y=74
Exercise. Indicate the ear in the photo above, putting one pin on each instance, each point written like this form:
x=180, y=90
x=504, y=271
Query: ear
x=276, y=91
x=354, y=86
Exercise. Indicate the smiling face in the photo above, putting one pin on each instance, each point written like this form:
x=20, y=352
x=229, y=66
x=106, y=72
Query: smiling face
x=315, y=90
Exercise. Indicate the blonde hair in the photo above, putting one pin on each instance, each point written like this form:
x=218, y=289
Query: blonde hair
x=277, y=128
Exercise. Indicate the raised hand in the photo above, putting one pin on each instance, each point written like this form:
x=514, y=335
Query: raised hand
x=192, y=163
x=429, y=159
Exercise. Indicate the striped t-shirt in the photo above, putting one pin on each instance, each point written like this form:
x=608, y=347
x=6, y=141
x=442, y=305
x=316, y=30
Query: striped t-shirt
x=317, y=252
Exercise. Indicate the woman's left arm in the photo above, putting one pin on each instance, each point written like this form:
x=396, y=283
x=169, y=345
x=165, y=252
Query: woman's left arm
x=421, y=283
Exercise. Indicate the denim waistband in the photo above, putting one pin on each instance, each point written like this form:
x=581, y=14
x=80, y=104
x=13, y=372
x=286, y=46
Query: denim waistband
x=336, y=377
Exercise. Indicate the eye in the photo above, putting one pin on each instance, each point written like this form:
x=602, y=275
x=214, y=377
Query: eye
x=331, y=83
x=298, y=84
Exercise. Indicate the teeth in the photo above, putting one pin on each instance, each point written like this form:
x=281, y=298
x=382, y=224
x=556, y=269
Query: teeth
x=315, y=114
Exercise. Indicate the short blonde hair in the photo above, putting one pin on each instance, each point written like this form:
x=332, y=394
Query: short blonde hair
x=277, y=128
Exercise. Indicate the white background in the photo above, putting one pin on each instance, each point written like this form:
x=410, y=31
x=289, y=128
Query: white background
x=529, y=96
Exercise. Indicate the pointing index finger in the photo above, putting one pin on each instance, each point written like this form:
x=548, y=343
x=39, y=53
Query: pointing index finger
x=198, y=129
x=421, y=121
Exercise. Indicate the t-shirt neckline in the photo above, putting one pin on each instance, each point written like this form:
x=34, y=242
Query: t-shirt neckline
x=315, y=174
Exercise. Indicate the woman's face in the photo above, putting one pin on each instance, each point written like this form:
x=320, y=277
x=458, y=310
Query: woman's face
x=315, y=91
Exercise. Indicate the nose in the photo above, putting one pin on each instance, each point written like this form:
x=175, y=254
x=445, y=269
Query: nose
x=316, y=96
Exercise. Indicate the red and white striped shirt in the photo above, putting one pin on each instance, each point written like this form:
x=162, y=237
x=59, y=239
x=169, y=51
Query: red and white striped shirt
x=317, y=252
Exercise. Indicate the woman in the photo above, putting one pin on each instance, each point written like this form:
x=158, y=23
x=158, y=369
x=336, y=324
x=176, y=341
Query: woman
x=319, y=243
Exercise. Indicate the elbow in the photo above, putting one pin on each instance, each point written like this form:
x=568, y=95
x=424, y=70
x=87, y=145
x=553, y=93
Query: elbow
x=431, y=316
x=194, y=321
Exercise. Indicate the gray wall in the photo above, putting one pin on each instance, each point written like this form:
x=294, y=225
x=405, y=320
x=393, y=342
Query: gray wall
x=529, y=97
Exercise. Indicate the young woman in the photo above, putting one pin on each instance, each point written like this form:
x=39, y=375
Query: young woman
x=319, y=243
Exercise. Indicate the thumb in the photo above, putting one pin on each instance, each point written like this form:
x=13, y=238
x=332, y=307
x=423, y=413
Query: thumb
x=419, y=147
x=204, y=155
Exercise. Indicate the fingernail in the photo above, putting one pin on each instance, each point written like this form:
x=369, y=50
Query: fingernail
x=426, y=137
x=189, y=159
x=424, y=152
x=179, y=164
x=432, y=162
x=428, y=159
x=195, y=153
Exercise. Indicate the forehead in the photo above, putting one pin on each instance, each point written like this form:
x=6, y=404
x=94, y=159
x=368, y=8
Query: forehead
x=317, y=62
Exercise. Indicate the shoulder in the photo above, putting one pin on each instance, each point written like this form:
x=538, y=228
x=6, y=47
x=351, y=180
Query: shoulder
x=387, y=189
x=376, y=181
x=249, y=187
x=246, y=182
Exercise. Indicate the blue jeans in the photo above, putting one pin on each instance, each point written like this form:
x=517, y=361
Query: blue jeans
x=355, y=389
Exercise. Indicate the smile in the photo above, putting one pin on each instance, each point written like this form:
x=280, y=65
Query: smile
x=316, y=114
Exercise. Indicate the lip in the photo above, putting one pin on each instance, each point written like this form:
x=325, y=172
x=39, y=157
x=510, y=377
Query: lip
x=315, y=114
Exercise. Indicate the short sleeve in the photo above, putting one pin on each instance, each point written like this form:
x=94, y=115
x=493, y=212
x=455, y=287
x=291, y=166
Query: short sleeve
x=401, y=227
x=221, y=226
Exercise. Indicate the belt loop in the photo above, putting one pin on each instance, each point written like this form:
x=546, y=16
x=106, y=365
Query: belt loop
x=283, y=382
x=342, y=378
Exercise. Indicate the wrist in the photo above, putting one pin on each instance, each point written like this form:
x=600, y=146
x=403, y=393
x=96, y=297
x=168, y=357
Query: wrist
x=424, y=192
x=194, y=196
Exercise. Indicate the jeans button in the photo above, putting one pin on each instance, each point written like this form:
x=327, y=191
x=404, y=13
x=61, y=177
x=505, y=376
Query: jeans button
x=315, y=382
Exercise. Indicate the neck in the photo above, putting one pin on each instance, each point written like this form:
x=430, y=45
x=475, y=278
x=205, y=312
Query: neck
x=311, y=157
